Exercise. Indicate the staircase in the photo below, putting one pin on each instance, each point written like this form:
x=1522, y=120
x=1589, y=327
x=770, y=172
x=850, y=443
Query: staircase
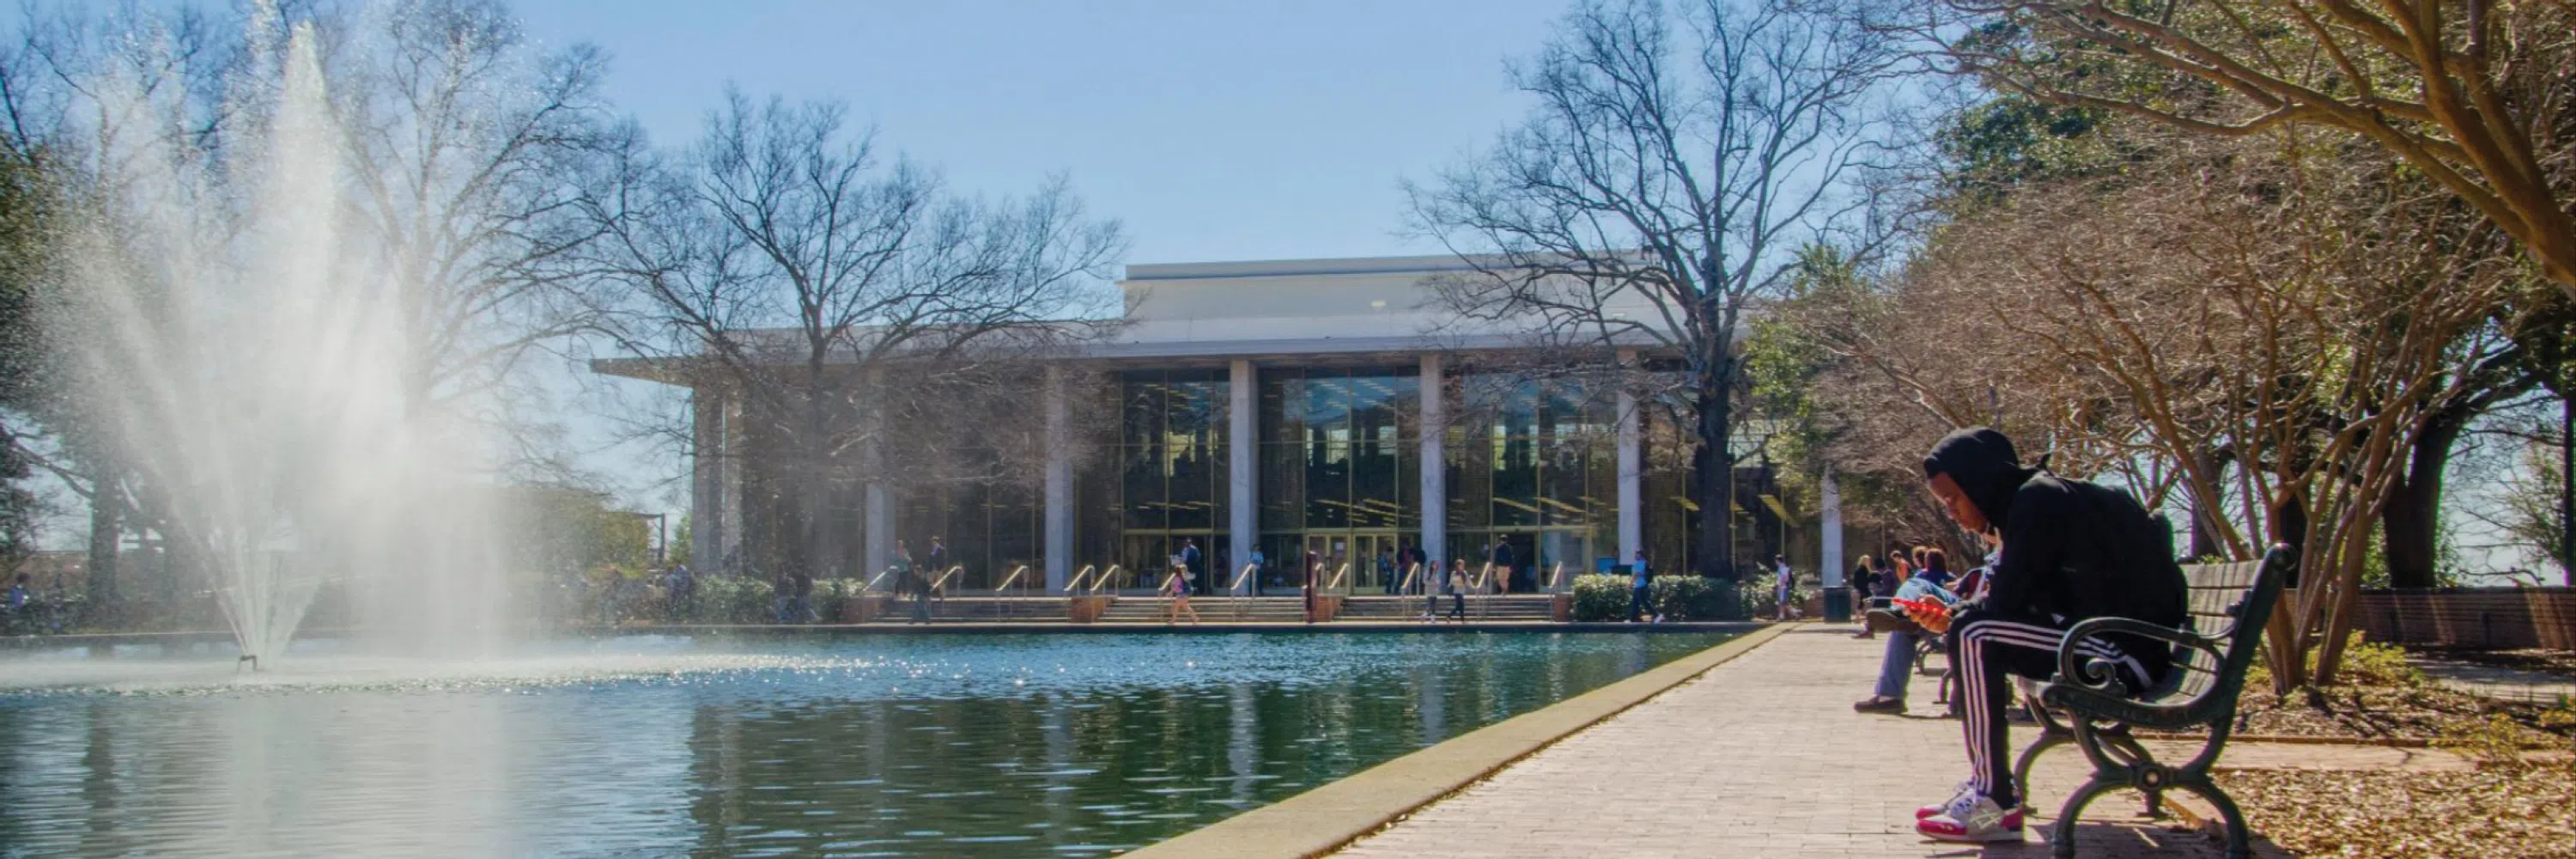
x=1513, y=608
x=1147, y=609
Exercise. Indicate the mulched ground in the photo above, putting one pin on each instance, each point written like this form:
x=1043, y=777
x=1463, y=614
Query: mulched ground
x=2520, y=802
x=2497, y=812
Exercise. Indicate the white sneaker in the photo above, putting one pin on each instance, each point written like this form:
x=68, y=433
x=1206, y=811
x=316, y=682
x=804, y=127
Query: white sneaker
x=1958, y=796
x=1976, y=820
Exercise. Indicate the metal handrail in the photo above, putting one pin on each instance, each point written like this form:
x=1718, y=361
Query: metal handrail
x=1106, y=576
x=1075, y=583
x=872, y=583
x=1556, y=579
x=1337, y=578
x=1234, y=587
x=1409, y=574
x=1015, y=577
x=942, y=581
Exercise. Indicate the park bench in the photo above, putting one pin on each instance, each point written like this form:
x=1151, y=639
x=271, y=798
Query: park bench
x=2229, y=604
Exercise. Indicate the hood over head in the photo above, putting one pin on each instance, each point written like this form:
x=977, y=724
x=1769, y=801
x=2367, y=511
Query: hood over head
x=1983, y=463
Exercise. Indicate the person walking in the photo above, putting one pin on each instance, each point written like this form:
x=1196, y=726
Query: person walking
x=1434, y=583
x=1641, y=589
x=1500, y=556
x=1314, y=572
x=1176, y=597
x=1863, y=579
x=680, y=592
x=1191, y=562
x=1780, y=585
x=917, y=578
x=1458, y=589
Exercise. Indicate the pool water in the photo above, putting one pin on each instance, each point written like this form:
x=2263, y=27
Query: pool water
x=887, y=745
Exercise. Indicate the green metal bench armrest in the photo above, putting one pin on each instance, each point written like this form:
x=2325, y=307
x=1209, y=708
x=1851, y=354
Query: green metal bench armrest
x=2090, y=684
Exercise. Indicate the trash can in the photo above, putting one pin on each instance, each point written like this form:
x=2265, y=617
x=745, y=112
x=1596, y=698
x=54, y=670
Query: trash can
x=1838, y=606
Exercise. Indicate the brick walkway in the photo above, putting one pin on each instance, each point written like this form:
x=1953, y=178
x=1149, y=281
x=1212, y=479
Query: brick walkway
x=1763, y=756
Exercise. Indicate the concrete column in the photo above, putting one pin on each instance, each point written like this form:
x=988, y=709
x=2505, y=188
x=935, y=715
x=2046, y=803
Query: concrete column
x=1243, y=478
x=1632, y=470
x=706, y=479
x=1059, y=483
x=1832, y=557
x=729, y=466
x=880, y=520
x=877, y=515
x=1435, y=463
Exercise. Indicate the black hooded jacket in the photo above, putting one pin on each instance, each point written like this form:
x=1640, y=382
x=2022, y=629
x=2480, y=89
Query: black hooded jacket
x=2071, y=550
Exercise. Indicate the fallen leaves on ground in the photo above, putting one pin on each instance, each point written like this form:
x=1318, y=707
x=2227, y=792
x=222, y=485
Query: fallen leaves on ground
x=2495, y=812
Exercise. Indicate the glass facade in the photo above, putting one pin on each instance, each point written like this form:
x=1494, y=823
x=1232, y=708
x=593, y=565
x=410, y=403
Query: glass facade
x=989, y=530
x=1533, y=464
x=1340, y=470
x=1172, y=449
x=1529, y=463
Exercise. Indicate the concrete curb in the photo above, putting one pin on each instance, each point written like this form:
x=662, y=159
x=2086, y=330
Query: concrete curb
x=1332, y=816
x=1041, y=628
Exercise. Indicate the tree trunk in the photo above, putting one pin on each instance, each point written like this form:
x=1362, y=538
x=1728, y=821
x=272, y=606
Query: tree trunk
x=106, y=533
x=814, y=493
x=2409, y=522
x=2204, y=516
x=1713, y=471
x=2567, y=487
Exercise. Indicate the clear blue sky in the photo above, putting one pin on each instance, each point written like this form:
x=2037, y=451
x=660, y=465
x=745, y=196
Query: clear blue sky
x=1214, y=130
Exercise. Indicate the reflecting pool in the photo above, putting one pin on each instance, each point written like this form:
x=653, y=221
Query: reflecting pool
x=886, y=745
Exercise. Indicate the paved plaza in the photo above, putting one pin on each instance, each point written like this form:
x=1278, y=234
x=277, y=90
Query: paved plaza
x=1763, y=756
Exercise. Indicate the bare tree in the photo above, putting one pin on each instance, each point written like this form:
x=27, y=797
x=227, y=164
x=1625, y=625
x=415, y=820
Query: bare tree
x=782, y=263
x=1673, y=164
x=2479, y=96
x=474, y=151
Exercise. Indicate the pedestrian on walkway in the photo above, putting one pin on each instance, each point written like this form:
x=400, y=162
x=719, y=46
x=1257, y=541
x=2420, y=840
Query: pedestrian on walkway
x=1191, y=561
x=1314, y=580
x=2071, y=551
x=1176, y=594
x=1458, y=589
x=1860, y=579
x=1780, y=585
x=1499, y=561
x=1260, y=569
x=1641, y=589
x=917, y=578
x=938, y=555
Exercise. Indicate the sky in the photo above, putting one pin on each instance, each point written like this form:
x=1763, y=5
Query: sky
x=1213, y=130
x=1210, y=130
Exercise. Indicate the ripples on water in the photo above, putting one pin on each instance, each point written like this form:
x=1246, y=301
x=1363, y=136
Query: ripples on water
x=922, y=745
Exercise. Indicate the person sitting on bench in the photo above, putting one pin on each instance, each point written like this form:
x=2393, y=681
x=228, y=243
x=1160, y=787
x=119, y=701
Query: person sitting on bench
x=2071, y=551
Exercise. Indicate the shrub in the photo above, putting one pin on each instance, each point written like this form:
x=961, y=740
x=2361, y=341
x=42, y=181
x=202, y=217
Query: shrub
x=1681, y=597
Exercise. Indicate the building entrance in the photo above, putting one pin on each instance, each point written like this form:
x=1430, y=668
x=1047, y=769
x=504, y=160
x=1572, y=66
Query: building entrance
x=1361, y=550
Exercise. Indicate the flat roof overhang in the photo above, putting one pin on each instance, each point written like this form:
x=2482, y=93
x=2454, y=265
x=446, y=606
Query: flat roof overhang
x=682, y=371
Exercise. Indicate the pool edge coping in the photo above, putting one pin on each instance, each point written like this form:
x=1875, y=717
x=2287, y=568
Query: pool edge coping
x=1332, y=816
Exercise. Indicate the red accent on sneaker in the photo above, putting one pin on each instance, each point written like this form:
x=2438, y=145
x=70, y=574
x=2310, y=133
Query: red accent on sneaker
x=1941, y=828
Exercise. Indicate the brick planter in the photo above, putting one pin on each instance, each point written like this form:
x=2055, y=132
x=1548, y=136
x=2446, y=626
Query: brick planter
x=1086, y=609
x=863, y=608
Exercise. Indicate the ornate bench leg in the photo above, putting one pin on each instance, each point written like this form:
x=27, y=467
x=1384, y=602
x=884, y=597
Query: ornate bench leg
x=2047, y=740
x=2240, y=843
x=2061, y=835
